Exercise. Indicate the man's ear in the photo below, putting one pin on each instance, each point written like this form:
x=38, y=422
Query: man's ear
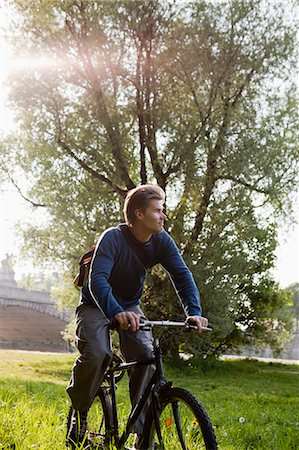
x=138, y=213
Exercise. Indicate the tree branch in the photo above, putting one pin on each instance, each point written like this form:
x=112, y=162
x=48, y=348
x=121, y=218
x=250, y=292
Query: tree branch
x=211, y=173
x=90, y=170
x=245, y=184
x=102, y=110
x=36, y=205
x=211, y=177
x=140, y=115
x=149, y=122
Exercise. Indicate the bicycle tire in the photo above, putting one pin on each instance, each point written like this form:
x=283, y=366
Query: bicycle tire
x=184, y=423
x=99, y=421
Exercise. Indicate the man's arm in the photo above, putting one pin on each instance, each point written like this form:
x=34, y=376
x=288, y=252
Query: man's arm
x=184, y=282
x=100, y=270
x=100, y=288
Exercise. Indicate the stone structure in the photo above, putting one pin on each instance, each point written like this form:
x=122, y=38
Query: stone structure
x=7, y=274
x=11, y=295
x=29, y=320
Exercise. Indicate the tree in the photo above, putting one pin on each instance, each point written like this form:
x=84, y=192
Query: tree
x=294, y=289
x=185, y=96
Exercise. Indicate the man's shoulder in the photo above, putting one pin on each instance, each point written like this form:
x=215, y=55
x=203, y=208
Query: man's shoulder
x=111, y=234
x=163, y=242
x=162, y=236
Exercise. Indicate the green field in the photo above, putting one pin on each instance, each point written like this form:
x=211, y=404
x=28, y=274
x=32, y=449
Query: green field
x=252, y=405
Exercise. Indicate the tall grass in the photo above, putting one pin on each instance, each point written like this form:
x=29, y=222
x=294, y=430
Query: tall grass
x=252, y=405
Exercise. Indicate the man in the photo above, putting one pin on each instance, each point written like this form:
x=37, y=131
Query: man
x=113, y=291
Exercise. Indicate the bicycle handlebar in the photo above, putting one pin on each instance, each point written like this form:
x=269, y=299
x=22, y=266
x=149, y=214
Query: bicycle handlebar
x=163, y=323
x=169, y=323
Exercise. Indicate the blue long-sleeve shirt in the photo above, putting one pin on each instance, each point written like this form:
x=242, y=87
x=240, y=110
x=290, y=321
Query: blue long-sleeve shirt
x=119, y=267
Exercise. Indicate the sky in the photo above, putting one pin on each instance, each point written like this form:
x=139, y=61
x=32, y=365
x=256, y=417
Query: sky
x=14, y=209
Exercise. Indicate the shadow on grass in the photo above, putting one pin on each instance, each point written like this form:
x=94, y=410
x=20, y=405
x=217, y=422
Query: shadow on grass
x=45, y=392
x=59, y=370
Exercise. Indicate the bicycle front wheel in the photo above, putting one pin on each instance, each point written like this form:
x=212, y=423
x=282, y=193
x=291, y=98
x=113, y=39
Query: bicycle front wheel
x=183, y=422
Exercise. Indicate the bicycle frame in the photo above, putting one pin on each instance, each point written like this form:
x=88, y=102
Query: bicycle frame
x=155, y=384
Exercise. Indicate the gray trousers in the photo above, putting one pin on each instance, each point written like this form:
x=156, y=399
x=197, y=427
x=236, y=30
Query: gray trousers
x=93, y=343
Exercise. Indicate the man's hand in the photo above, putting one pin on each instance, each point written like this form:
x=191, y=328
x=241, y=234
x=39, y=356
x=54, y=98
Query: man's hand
x=128, y=320
x=198, y=321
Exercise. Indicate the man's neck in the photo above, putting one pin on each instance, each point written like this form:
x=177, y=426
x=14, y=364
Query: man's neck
x=140, y=234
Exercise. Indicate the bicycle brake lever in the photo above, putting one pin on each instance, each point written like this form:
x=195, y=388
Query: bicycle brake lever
x=190, y=327
x=145, y=326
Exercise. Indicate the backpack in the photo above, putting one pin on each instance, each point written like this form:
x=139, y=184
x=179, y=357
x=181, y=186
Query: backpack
x=85, y=260
x=84, y=266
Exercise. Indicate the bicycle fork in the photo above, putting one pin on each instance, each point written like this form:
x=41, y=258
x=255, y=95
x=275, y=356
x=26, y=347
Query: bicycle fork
x=162, y=384
x=156, y=407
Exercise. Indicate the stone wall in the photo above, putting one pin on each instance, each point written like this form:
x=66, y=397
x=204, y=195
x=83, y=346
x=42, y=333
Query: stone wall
x=29, y=320
x=27, y=329
x=37, y=301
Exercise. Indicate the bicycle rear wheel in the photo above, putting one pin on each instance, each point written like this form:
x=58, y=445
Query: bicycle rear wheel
x=183, y=422
x=100, y=420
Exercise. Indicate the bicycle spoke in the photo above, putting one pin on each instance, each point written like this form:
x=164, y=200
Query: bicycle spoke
x=177, y=420
x=179, y=426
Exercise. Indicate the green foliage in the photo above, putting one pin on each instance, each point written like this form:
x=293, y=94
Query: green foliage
x=198, y=97
x=38, y=282
x=65, y=294
x=252, y=405
x=69, y=333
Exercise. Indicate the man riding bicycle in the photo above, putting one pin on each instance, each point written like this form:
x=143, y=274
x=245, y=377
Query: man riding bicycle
x=113, y=291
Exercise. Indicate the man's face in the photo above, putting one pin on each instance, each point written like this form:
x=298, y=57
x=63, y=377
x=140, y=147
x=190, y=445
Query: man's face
x=152, y=219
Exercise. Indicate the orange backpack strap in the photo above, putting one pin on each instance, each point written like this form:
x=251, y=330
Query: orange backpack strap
x=84, y=263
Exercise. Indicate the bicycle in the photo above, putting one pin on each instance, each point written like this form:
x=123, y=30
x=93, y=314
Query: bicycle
x=175, y=419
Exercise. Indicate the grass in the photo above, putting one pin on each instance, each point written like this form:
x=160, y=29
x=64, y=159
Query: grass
x=253, y=405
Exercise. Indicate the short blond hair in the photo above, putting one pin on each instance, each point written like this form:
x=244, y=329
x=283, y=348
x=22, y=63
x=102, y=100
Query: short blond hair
x=139, y=198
